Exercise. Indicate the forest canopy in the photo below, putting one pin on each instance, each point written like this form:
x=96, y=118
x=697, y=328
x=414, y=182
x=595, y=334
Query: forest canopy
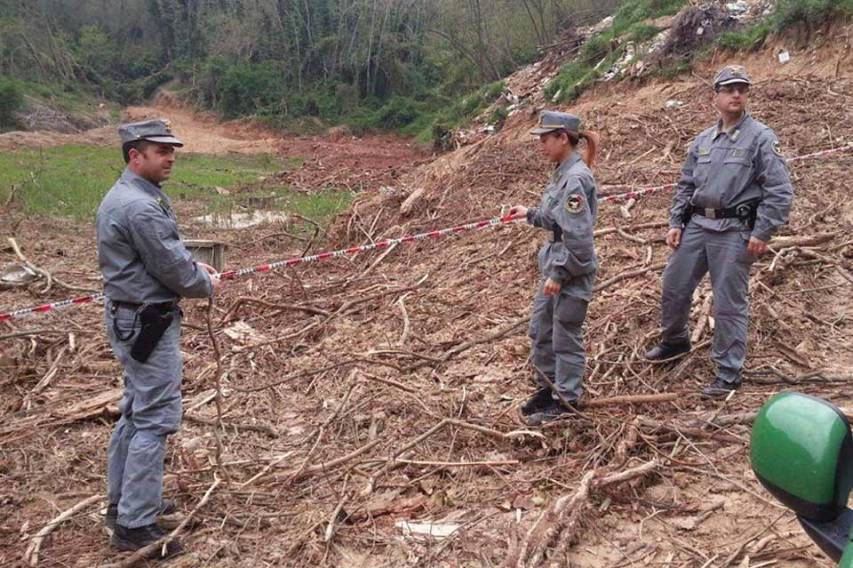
x=383, y=63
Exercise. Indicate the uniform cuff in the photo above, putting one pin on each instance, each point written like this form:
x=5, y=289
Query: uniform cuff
x=531, y=214
x=762, y=235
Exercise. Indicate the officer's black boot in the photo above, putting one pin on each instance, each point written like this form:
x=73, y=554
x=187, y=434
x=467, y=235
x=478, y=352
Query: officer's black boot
x=559, y=409
x=538, y=402
x=167, y=507
x=555, y=409
x=720, y=388
x=126, y=539
x=667, y=351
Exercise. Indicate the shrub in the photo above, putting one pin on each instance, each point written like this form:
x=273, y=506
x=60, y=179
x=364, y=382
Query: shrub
x=248, y=88
x=809, y=12
x=11, y=100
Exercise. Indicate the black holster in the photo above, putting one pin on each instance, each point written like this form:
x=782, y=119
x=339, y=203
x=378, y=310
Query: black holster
x=748, y=213
x=155, y=319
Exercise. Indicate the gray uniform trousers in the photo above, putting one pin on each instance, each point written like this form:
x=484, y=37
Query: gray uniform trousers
x=150, y=410
x=556, y=333
x=724, y=256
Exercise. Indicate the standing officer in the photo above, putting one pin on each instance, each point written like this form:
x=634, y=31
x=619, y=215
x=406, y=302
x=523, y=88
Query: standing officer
x=146, y=270
x=733, y=195
x=567, y=264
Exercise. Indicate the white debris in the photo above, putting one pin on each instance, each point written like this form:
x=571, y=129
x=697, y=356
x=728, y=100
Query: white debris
x=737, y=8
x=17, y=275
x=230, y=220
x=388, y=192
x=784, y=56
x=672, y=103
x=243, y=333
x=429, y=529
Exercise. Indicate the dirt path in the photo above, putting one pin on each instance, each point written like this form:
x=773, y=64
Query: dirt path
x=336, y=159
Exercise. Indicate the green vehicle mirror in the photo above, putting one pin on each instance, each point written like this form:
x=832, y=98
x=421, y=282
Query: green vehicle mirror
x=802, y=452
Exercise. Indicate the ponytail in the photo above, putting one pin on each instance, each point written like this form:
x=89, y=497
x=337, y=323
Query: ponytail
x=593, y=142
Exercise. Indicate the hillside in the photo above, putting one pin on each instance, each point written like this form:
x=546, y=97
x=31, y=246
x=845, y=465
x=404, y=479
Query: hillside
x=367, y=401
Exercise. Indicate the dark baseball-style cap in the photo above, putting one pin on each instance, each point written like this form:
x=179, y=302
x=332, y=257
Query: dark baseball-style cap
x=156, y=130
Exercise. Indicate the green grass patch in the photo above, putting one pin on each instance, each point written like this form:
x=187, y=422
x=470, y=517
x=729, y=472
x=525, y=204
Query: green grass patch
x=429, y=118
x=68, y=98
x=641, y=32
x=320, y=207
x=576, y=77
x=787, y=14
x=633, y=12
x=70, y=181
x=747, y=39
x=598, y=54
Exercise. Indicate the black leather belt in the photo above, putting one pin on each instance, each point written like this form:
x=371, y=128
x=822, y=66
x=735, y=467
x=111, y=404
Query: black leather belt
x=744, y=211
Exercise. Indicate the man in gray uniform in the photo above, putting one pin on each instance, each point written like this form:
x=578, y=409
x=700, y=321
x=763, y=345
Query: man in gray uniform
x=733, y=195
x=567, y=264
x=146, y=270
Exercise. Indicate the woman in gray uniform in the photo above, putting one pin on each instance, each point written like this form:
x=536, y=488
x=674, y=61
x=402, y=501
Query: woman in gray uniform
x=567, y=264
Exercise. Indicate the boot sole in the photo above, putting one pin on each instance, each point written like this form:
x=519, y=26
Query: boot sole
x=718, y=394
x=669, y=359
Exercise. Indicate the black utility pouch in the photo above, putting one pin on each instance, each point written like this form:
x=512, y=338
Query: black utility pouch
x=155, y=321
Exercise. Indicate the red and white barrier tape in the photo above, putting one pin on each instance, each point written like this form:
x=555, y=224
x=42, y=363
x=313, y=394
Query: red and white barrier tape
x=232, y=274
x=477, y=225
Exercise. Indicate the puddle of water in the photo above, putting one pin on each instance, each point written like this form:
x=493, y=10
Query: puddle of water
x=231, y=220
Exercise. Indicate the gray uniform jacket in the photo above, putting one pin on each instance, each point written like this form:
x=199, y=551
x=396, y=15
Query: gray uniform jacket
x=140, y=252
x=568, y=208
x=723, y=170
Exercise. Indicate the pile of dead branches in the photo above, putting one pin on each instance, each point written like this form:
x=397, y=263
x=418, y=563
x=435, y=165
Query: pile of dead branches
x=363, y=411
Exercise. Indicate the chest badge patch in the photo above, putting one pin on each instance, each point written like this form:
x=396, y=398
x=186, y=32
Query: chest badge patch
x=574, y=204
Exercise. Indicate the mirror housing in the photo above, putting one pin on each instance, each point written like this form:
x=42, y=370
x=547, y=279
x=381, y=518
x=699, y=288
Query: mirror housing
x=802, y=452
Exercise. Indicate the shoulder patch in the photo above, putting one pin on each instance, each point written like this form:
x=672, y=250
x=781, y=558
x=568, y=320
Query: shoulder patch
x=704, y=151
x=574, y=204
x=776, y=148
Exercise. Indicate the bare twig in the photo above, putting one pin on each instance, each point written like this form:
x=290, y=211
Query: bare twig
x=31, y=556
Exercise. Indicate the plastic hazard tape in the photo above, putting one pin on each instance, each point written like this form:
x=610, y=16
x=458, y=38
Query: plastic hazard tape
x=232, y=274
x=384, y=244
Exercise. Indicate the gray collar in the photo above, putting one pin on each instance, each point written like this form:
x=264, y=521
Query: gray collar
x=151, y=188
x=734, y=133
x=567, y=164
x=141, y=182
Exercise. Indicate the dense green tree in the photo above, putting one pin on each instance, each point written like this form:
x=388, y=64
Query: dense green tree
x=283, y=57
